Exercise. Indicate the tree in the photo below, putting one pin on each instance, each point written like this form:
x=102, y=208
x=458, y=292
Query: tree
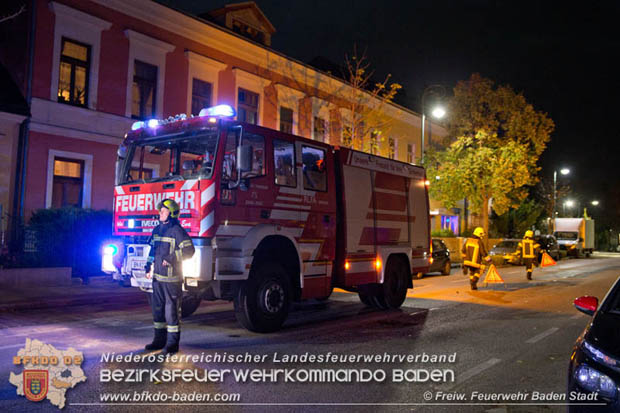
x=367, y=104
x=515, y=222
x=494, y=141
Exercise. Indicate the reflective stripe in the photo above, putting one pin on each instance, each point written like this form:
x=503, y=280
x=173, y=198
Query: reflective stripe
x=471, y=264
x=173, y=329
x=159, y=325
x=186, y=243
x=528, y=248
x=167, y=279
x=179, y=255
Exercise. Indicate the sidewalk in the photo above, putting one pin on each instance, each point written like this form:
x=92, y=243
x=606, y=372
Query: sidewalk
x=100, y=290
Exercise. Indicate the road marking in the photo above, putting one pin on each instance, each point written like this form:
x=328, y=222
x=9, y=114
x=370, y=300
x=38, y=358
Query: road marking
x=474, y=371
x=142, y=327
x=577, y=317
x=542, y=335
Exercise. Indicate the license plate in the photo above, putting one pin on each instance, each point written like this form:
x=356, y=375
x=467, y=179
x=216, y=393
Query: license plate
x=138, y=264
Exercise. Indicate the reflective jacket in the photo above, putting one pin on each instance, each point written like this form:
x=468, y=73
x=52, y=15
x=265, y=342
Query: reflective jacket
x=473, y=252
x=169, y=242
x=528, y=248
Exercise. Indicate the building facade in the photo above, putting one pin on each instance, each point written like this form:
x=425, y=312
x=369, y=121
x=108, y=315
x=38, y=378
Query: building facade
x=98, y=65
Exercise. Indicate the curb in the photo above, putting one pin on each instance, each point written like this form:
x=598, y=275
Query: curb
x=38, y=303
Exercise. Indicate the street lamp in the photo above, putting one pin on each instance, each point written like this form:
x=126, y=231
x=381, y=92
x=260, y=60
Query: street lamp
x=563, y=171
x=568, y=203
x=437, y=112
x=595, y=203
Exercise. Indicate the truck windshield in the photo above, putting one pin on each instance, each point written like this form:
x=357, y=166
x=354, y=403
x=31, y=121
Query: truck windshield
x=170, y=159
x=565, y=235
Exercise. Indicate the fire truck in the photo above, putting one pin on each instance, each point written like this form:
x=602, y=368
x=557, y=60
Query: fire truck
x=274, y=218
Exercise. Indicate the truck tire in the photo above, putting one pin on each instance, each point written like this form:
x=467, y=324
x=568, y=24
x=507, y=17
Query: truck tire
x=365, y=299
x=263, y=301
x=189, y=304
x=395, y=285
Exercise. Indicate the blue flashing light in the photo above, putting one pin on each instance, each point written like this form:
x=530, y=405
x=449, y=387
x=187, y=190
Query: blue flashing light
x=110, y=249
x=137, y=125
x=152, y=123
x=219, y=110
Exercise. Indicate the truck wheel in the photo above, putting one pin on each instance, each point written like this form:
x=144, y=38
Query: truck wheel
x=189, y=304
x=263, y=300
x=394, y=285
x=447, y=268
x=365, y=299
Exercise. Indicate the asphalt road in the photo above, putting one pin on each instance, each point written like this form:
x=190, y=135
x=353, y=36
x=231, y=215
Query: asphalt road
x=513, y=338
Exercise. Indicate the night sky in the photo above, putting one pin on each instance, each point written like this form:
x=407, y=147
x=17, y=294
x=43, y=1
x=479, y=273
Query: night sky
x=561, y=57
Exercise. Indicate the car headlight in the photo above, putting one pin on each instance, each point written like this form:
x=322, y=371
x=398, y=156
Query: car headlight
x=594, y=381
x=601, y=357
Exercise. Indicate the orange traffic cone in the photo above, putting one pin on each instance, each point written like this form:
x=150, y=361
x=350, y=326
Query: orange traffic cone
x=546, y=260
x=493, y=276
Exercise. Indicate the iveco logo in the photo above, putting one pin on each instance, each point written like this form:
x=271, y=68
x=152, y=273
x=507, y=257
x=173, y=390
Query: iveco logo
x=151, y=223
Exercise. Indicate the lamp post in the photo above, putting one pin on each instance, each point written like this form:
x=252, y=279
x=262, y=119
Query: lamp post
x=437, y=112
x=568, y=203
x=563, y=171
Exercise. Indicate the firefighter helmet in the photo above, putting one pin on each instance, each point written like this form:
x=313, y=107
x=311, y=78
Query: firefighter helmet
x=172, y=206
x=479, y=232
x=529, y=233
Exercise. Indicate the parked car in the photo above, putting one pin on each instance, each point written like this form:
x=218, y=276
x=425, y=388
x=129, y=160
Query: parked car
x=549, y=244
x=504, y=252
x=441, y=258
x=595, y=361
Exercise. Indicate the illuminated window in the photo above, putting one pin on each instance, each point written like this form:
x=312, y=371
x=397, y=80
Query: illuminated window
x=392, y=148
x=201, y=95
x=319, y=129
x=375, y=138
x=73, y=75
x=144, y=90
x=68, y=183
x=247, y=110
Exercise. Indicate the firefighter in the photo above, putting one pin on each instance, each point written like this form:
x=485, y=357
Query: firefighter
x=170, y=245
x=528, y=249
x=473, y=253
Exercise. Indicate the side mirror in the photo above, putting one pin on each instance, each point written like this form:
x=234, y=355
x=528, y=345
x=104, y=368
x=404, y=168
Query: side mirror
x=586, y=304
x=117, y=172
x=244, y=156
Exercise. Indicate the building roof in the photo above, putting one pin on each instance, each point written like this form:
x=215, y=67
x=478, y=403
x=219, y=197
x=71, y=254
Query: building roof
x=11, y=98
x=240, y=6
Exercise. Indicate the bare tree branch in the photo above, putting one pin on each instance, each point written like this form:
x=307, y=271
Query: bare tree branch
x=14, y=15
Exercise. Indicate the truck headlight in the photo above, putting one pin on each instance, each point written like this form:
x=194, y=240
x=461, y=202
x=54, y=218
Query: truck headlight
x=107, y=258
x=191, y=267
x=593, y=380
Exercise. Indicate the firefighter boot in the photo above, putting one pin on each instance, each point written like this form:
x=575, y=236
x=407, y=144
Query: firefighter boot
x=172, y=345
x=159, y=341
x=473, y=281
x=529, y=275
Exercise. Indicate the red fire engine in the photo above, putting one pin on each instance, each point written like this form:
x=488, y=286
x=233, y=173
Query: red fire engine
x=274, y=217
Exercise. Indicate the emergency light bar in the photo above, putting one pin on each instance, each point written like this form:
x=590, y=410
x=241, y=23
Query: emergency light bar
x=219, y=110
x=213, y=111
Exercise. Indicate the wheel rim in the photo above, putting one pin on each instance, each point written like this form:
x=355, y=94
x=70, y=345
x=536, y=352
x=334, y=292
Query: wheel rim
x=273, y=298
